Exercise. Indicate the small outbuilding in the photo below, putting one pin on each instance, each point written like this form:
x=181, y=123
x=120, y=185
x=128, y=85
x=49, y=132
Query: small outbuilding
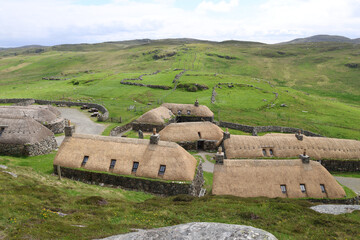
x=155, y=118
x=190, y=112
x=23, y=136
x=193, y=135
x=274, y=178
x=46, y=115
x=289, y=146
x=126, y=156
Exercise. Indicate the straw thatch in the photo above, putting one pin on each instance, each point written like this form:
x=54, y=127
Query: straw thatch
x=158, y=115
x=287, y=146
x=191, y=131
x=22, y=130
x=198, y=111
x=180, y=165
x=255, y=178
x=42, y=114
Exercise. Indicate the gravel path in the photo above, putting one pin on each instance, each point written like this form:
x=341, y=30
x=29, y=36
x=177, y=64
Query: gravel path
x=335, y=209
x=207, y=166
x=198, y=231
x=352, y=183
x=81, y=120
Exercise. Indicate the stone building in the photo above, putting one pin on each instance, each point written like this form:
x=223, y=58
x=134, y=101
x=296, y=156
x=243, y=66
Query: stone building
x=23, y=136
x=289, y=146
x=193, y=135
x=47, y=115
x=295, y=178
x=125, y=156
x=155, y=118
x=190, y=112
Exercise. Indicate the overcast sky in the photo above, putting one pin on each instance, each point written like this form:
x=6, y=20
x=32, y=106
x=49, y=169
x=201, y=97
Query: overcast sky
x=52, y=22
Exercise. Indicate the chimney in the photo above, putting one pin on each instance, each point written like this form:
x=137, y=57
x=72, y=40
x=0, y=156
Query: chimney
x=196, y=103
x=304, y=158
x=141, y=135
x=154, y=138
x=69, y=130
x=226, y=134
x=219, y=157
x=299, y=136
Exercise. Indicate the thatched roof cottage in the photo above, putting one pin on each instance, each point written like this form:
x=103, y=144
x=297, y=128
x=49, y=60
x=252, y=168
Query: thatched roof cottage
x=289, y=145
x=155, y=118
x=193, y=135
x=274, y=178
x=138, y=157
x=190, y=112
x=48, y=116
x=24, y=136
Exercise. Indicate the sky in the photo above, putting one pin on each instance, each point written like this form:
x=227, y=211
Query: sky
x=53, y=22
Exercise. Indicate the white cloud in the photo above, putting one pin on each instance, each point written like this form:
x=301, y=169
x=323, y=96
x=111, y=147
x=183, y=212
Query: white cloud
x=50, y=22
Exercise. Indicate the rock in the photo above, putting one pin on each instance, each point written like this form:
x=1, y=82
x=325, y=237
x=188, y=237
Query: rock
x=283, y=105
x=3, y=167
x=335, y=209
x=12, y=174
x=199, y=230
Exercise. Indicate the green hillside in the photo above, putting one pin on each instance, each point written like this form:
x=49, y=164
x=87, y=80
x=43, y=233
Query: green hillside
x=319, y=82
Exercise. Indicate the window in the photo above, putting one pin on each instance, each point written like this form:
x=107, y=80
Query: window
x=322, y=186
x=162, y=169
x=2, y=129
x=179, y=112
x=271, y=152
x=199, y=133
x=283, y=188
x=135, y=167
x=112, y=163
x=188, y=112
x=302, y=188
x=86, y=158
x=264, y=152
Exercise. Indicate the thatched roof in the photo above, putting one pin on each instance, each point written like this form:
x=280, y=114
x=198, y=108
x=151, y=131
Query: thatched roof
x=180, y=165
x=189, y=131
x=287, y=145
x=199, y=111
x=156, y=116
x=22, y=130
x=41, y=113
x=255, y=178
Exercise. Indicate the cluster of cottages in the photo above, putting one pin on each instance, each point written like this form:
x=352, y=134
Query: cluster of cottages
x=274, y=165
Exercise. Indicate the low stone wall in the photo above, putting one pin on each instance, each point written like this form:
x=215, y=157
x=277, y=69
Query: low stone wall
x=147, y=85
x=188, y=145
x=56, y=126
x=209, y=145
x=130, y=183
x=119, y=129
x=44, y=147
x=348, y=201
x=185, y=118
x=341, y=165
x=256, y=129
x=102, y=117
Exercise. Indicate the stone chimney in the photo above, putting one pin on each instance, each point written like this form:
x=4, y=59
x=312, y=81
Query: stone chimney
x=304, y=158
x=155, y=137
x=196, y=103
x=226, y=134
x=141, y=135
x=69, y=130
x=299, y=136
x=219, y=157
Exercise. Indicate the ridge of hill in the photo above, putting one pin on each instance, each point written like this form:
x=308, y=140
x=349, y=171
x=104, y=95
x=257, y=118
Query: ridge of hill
x=323, y=38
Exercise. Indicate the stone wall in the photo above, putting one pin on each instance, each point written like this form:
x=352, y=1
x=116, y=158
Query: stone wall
x=56, y=126
x=347, y=201
x=102, y=117
x=188, y=145
x=119, y=129
x=131, y=183
x=210, y=145
x=147, y=127
x=256, y=129
x=185, y=118
x=341, y=165
x=44, y=147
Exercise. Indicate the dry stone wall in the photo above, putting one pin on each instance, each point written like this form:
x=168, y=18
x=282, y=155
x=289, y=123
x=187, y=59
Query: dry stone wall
x=39, y=148
x=341, y=165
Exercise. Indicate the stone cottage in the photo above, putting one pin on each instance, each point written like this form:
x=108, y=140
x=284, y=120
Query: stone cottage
x=156, y=118
x=47, y=115
x=23, y=136
x=289, y=146
x=295, y=178
x=125, y=156
x=190, y=112
x=193, y=135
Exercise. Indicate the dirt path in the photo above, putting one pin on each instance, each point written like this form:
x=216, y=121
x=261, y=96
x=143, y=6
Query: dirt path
x=353, y=183
x=207, y=166
x=81, y=120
